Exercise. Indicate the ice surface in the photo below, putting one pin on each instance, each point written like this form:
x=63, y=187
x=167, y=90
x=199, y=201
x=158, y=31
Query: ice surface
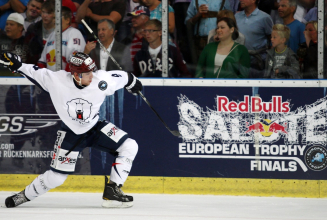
x=53, y=206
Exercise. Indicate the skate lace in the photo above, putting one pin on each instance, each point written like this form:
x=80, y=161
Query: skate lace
x=120, y=192
x=19, y=198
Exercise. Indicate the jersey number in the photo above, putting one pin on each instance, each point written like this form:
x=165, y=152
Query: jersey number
x=77, y=41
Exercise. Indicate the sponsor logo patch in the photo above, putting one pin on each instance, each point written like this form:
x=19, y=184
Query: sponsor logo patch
x=103, y=85
x=113, y=132
x=76, y=61
x=316, y=158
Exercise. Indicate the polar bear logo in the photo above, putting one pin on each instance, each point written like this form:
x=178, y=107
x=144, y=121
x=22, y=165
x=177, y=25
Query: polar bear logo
x=79, y=109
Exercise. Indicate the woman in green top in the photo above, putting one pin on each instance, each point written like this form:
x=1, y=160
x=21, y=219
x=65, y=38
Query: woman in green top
x=226, y=58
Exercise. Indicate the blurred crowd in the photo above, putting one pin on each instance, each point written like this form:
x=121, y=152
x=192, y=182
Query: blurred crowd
x=207, y=38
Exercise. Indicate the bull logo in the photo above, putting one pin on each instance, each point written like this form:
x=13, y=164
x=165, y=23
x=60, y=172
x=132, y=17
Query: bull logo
x=51, y=57
x=266, y=127
x=79, y=110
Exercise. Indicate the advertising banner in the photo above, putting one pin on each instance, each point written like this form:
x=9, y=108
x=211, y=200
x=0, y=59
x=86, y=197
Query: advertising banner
x=227, y=132
x=28, y=131
x=238, y=132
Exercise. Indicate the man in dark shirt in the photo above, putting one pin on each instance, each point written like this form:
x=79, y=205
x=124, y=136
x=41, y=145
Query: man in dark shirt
x=13, y=40
x=93, y=11
x=148, y=60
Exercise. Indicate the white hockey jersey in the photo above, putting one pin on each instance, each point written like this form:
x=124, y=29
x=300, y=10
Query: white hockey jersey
x=77, y=108
x=72, y=41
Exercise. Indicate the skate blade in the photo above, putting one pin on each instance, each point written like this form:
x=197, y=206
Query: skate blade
x=116, y=204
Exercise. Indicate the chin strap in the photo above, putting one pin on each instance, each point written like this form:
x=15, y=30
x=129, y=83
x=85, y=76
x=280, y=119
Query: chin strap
x=79, y=82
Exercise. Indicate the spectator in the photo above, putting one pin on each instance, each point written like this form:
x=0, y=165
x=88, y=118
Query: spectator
x=312, y=14
x=12, y=40
x=14, y=27
x=140, y=15
x=286, y=11
x=226, y=58
x=148, y=61
x=301, y=10
x=9, y=6
x=204, y=18
x=155, y=7
x=256, y=26
x=106, y=33
x=93, y=11
x=308, y=51
x=47, y=24
x=125, y=28
x=281, y=62
x=300, y=13
x=71, y=5
x=213, y=35
x=32, y=13
x=72, y=42
x=182, y=40
x=28, y=48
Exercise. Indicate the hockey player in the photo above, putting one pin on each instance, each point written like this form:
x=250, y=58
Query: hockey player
x=77, y=97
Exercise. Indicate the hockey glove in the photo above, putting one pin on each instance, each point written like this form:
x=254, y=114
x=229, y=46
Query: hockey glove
x=134, y=85
x=11, y=61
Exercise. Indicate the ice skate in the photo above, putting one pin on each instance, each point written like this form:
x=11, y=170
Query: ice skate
x=16, y=200
x=114, y=197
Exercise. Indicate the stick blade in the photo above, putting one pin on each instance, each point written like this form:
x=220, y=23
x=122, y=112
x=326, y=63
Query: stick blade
x=176, y=133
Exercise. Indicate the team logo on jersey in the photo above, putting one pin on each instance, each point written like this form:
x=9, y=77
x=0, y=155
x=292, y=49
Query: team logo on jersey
x=50, y=43
x=51, y=57
x=79, y=110
x=102, y=85
x=316, y=158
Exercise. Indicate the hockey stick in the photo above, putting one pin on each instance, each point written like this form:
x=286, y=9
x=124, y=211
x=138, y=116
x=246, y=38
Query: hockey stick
x=175, y=133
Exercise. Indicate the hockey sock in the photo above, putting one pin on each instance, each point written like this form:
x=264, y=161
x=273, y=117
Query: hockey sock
x=43, y=183
x=123, y=163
